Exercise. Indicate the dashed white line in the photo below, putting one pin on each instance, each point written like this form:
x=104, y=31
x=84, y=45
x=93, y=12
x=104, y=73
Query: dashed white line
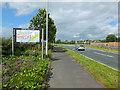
x=102, y=50
x=103, y=54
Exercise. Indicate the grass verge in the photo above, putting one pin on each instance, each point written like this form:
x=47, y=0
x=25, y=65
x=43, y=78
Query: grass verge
x=105, y=75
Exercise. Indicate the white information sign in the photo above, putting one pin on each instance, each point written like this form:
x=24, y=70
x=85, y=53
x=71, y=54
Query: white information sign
x=28, y=36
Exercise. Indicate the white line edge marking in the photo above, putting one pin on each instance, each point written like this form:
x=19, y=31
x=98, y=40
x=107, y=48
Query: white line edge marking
x=100, y=62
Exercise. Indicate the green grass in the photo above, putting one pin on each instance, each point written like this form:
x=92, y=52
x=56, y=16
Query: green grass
x=66, y=44
x=105, y=75
x=105, y=49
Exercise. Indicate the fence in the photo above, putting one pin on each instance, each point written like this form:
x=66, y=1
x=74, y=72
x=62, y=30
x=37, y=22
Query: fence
x=113, y=44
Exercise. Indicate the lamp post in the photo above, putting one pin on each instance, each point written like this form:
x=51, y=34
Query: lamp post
x=47, y=28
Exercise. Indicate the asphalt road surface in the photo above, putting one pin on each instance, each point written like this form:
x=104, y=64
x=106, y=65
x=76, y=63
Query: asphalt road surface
x=67, y=73
x=107, y=58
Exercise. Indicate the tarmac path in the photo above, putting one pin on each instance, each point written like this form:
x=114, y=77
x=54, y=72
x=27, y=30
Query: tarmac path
x=67, y=73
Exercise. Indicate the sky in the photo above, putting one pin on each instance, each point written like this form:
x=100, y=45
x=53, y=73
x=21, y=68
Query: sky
x=74, y=20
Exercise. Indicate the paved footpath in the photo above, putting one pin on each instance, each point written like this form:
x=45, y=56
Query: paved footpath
x=67, y=73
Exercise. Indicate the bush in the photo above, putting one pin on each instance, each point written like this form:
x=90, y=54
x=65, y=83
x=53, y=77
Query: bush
x=6, y=47
x=19, y=48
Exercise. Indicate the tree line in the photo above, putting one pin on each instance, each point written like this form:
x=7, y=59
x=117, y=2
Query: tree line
x=109, y=38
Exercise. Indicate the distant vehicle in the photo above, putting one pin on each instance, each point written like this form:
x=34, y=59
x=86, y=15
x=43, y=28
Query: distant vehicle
x=80, y=47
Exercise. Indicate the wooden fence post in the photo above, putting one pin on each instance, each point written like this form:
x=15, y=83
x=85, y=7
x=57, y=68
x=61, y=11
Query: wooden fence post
x=12, y=41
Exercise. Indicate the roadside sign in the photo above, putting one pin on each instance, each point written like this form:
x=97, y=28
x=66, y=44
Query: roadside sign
x=27, y=36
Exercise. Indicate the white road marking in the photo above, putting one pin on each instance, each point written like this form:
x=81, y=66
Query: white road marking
x=96, y=49
x=103, y=54
x=102, y=50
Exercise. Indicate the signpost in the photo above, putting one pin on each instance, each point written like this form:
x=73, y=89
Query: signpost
x=12, y=41
x=42, y=43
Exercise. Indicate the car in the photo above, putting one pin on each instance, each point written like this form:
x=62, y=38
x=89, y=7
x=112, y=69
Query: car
x=80, y=47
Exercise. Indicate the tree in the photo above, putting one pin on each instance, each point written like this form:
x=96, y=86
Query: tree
x=111, y=38
x=118, y=39
x=80, y=42
x=103, y=41
x=39, y=22
x=58, y=41
x=66, y=42
x=72, y=42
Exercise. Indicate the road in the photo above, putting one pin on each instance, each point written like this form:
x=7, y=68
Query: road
x=107, y=58
x=66, y=73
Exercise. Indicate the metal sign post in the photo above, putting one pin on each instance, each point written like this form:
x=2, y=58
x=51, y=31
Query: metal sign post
x=47, y=28
x=42, y=43
x=12, y=41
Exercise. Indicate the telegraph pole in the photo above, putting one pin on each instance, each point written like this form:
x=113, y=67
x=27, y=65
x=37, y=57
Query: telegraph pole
x=47, y=28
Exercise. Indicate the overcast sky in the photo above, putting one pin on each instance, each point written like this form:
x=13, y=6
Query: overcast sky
x=74, y=20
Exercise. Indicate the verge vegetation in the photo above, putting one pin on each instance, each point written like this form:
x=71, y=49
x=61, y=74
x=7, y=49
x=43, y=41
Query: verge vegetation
x=105, y=75
x=25, y=69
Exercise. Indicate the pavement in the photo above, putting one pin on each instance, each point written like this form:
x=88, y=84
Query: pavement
x=66, y=73
x=107, y=58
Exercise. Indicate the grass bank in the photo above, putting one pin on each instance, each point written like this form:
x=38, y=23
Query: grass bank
x=105, y=75
x=105, y=49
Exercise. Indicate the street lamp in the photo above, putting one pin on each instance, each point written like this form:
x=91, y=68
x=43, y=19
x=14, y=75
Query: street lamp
x=47, y=28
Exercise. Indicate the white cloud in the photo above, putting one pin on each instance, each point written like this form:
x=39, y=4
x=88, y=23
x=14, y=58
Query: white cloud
x=60, y=0
x=23, y=1
x=26, y=25
x=6, y=32
x=91, y=36
x=113, y=29
x=89, y=19
x=76, y=36
x=84, y=13
x=24, y=8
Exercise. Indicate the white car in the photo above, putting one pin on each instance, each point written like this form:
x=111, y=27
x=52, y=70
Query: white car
x=80, y=47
